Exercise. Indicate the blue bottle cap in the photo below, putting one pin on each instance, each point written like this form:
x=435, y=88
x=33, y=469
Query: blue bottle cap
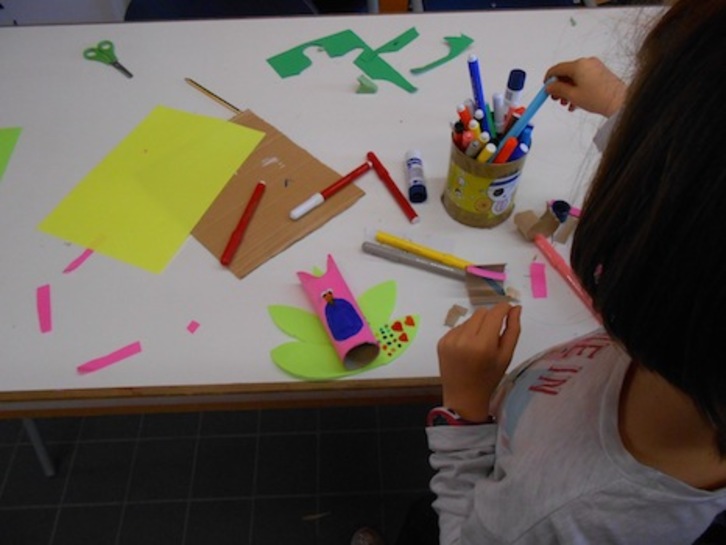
x=417, y=193
x=516, y=79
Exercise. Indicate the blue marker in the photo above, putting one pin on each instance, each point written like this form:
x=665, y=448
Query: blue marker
x=478, y=89
x=525, y=136
x=528, y=114
x=519, y=152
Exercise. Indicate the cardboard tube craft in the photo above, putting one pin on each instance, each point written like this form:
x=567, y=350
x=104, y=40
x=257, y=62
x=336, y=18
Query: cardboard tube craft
x=343, y=320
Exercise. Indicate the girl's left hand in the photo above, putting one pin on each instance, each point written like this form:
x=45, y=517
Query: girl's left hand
x=474, y=356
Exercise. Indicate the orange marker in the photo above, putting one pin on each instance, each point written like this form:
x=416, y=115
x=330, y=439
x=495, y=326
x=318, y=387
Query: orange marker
x=464, y=114
x=509, y=146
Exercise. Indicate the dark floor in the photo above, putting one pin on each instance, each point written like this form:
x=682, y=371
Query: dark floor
x=282, y=477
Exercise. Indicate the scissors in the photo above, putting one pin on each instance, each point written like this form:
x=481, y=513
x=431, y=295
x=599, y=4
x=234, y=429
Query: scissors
x=104, y=52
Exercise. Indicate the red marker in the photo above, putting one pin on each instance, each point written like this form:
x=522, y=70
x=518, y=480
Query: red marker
x=239, y=231
x=319, y=198
x=393, y=188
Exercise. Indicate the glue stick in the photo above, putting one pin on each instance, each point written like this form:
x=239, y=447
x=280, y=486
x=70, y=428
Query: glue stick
x=415, y=177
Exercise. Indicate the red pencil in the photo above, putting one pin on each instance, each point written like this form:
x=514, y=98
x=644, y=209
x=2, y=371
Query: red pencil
x=393, y=188
x=239, y=231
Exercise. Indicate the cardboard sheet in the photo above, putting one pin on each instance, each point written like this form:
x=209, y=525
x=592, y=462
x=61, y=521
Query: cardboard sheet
x=292, y=175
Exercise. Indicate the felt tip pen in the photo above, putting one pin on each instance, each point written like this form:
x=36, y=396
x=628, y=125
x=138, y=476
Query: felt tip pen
x=519, y=152
x=505, y=151
x=500, y=111
x=466, y=138
x=529, y=113
x=319, y=198
x=407, y=258
x=486, y=153
x=474, y=148
x=484, y=138
x=464, y=114
x=403, y=204
x=475, y=128
x=436, y=255
x=415, y=177
x=236, y=237
x=477, y=88
x=564, y=270
x=525, y=136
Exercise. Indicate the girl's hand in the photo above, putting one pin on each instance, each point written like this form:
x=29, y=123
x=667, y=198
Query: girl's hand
x=588, y=84
x=474, y=356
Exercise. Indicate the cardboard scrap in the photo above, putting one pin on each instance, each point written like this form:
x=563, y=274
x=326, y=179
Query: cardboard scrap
x=292, y=175
x=455, y=313
x=557, y=224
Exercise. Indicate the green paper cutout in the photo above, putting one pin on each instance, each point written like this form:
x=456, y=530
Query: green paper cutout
x=366, y=85
x=312, y=356
x=303, y=325
x=378, y=302
x=293, y=61
x=457, y=45
x=317, y=362
x=399, y=42
x=8, y=139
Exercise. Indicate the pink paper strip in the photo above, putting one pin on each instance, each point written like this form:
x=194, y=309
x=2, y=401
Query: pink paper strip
x=193, y=326
x=42, y=303
x=486, y=273
x=109, y=359
x=538, y=279
x=77, y=262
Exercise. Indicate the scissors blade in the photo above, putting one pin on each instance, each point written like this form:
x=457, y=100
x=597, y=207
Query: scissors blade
x=120, y=67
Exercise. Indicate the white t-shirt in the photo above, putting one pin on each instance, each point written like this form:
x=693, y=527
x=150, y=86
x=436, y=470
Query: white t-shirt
x=554, y=470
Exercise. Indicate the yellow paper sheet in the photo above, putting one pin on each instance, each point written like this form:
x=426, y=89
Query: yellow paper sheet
x=141, y=202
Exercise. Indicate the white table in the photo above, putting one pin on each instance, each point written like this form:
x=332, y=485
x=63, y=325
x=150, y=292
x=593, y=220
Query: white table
x=73, y=112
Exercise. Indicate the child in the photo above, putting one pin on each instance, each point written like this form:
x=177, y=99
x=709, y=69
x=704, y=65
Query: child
x=619, y=436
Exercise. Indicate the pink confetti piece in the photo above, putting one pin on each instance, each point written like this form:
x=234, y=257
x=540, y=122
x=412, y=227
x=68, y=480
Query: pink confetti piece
x=538, y=279
x=486, y=273
x=42, y=303
x=109, y=359
x=77, y=262
x=193, y=326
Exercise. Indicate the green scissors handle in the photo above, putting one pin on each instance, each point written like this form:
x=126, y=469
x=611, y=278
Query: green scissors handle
x=104, y=52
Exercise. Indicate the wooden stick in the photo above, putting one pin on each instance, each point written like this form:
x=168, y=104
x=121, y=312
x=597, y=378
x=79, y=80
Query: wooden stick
x=211, y=95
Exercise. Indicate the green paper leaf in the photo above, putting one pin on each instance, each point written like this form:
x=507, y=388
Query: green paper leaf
x=378, y=302
x=299, y=323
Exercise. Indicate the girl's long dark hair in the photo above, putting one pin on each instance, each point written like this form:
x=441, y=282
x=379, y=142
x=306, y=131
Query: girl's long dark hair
x=651, y=244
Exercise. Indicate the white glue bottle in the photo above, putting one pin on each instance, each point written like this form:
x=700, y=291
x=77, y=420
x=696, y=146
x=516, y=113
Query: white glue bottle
x=414, y=177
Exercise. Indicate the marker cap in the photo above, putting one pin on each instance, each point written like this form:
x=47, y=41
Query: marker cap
x=299, y=211
x=516, y=79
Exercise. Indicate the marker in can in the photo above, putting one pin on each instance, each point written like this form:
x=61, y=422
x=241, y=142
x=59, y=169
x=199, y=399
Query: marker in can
x=500, y=111
x=415, y=177
x=474, y=148
x=484, y=155
x=515, y=84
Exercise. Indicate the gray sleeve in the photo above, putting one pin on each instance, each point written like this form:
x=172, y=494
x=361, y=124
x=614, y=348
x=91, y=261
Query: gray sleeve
x=461, y=456
x=603, y=133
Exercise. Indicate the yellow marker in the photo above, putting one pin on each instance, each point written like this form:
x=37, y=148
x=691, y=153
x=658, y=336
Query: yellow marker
x=475, y=128
x=488, y=150
x=423, y=251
